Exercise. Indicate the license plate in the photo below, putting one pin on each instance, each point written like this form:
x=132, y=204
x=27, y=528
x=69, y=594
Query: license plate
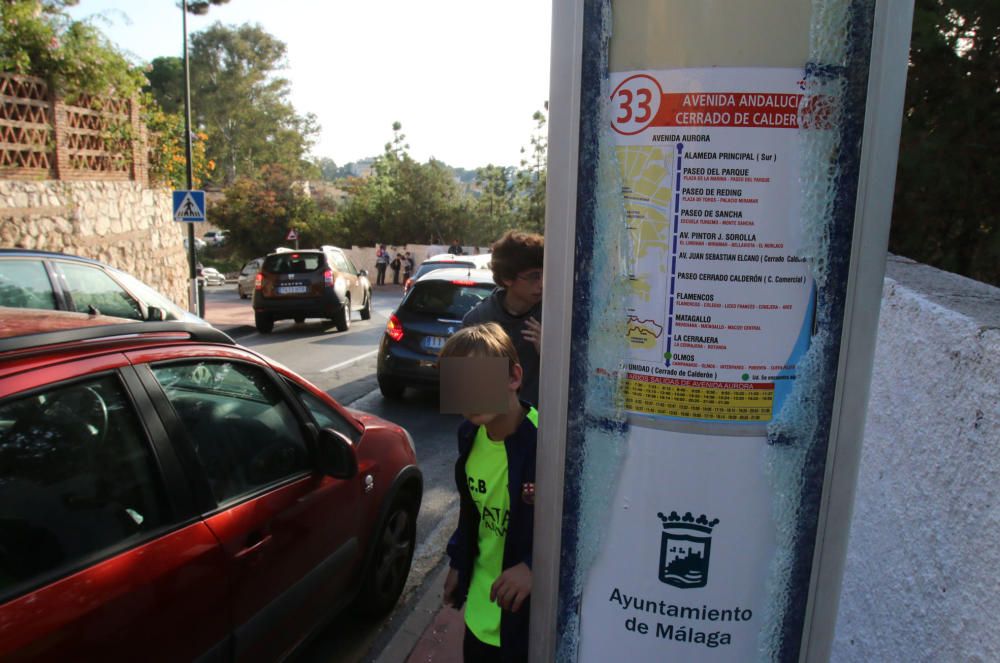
x=292, y=289
x=433, y=342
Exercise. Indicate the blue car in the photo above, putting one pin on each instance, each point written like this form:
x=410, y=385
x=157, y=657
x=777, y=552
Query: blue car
x=430, y=312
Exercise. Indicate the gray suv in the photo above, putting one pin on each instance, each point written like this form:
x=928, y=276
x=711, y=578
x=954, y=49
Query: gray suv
x=311, y=283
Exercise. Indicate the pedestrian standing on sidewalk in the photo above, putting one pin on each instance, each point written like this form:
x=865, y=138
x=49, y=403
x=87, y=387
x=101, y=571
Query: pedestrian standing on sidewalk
x=408, y=264
x=381, y=263
x=397, y=262
x=490, y=551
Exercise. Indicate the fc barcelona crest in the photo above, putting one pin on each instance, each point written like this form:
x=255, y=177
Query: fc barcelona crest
x=685, y=549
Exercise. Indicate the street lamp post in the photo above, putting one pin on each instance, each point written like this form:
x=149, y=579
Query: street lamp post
x=192, y=256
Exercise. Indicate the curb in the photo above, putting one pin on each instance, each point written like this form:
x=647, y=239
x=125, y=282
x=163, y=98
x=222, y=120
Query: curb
x=410, y=631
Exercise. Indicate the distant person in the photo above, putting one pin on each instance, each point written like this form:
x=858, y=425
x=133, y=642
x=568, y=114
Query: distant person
x=517, y=303
x=408, y=265
x=381, y=264
x=397, y=262
x=490, y=551
x=456, y=249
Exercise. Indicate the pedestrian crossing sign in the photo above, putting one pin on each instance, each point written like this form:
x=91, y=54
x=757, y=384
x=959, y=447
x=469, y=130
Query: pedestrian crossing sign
x=189, y=206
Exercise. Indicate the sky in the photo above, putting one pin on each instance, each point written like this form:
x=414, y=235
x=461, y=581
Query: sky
x=462, y=76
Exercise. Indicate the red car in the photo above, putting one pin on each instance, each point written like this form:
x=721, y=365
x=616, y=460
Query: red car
x=166, y=494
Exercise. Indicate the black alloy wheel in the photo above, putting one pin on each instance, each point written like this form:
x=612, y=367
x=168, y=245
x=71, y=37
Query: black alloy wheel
x=390, y=565
x=391, y=388
x=264, y=322
x=343, y=320
x=366, y=310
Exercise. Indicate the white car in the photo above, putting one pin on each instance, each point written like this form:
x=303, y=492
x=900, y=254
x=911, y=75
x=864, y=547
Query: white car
x=248, y=278
x=199, y=244
x=445, y=261
x=213, y=276
x=216, y=237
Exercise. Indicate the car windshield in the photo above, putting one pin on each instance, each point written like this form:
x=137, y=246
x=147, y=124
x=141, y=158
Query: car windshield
x=445, y=298
x=431, y=266
x=151, y=297
x=293, y=263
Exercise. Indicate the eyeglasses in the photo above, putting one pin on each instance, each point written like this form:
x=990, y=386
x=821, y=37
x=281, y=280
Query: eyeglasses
x=533, y=276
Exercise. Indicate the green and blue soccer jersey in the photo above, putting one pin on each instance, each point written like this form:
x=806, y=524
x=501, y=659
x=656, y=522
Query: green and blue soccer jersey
x=486, y=472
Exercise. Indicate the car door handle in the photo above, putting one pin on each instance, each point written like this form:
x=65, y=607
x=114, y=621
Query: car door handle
x=254, y=547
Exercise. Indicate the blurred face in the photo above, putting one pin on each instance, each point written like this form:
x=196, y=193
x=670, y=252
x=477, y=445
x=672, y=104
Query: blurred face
x=478, y=388
x=525, y=290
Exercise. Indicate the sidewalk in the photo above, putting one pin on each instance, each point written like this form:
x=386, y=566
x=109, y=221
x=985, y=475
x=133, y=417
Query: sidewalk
x=431, y=634
x=232, y=317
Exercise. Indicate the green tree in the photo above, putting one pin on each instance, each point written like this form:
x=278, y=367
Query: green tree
x=329, y=170
x=529, y=212
x=493, y=209
x=258, y=212
x=946, y=204
x=38, y=37
x=404, y=201
x=167, y=155
x=165, y=81
x=238, y=99
x=202, y=6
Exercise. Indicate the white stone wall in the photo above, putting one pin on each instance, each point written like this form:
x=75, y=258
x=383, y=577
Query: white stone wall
x=922, y=579
x=120, y=223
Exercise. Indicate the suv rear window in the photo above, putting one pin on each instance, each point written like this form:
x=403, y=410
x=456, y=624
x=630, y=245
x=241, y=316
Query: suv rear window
x=445, y=298
x=293, y=263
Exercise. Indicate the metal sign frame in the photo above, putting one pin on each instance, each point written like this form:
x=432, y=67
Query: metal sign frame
x=571, y=93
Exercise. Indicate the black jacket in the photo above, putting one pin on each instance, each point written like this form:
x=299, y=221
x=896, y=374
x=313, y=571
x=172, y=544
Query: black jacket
x=491, y=310
x=463, y=547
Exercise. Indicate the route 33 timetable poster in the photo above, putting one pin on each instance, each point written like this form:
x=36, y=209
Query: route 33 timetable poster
x=721, y=305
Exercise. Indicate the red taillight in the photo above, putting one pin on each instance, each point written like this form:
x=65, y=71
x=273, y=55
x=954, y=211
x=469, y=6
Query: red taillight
x=406, y=286
x=328, y=278
x=466, y=283
x=394, y=328
x=258, y=281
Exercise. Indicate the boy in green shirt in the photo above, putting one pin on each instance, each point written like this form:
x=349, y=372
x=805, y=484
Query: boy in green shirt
x=490, y=550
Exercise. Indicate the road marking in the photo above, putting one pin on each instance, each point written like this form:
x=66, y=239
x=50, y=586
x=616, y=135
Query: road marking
x=349, y=362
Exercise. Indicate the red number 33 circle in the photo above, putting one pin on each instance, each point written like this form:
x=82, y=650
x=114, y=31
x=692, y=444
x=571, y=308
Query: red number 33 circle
x=634, y=104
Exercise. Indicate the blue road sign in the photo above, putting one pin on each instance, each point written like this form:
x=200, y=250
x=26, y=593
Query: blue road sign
x=189, y=206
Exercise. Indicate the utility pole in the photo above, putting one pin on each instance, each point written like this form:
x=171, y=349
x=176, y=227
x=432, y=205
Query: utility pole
x=192, y=250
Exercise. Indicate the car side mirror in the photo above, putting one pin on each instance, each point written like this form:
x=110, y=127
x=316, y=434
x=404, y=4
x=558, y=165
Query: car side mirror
x=155, y=313
x=363, y=272
x=336, y=454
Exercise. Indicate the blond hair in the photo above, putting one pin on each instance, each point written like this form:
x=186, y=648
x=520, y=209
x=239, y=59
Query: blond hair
x=484, y=340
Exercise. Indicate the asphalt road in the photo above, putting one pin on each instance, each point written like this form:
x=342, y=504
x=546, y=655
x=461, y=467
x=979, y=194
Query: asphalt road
x=343, y=365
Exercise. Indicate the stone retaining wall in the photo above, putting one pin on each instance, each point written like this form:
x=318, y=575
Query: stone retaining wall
x=120, y=223
x=920, y=582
